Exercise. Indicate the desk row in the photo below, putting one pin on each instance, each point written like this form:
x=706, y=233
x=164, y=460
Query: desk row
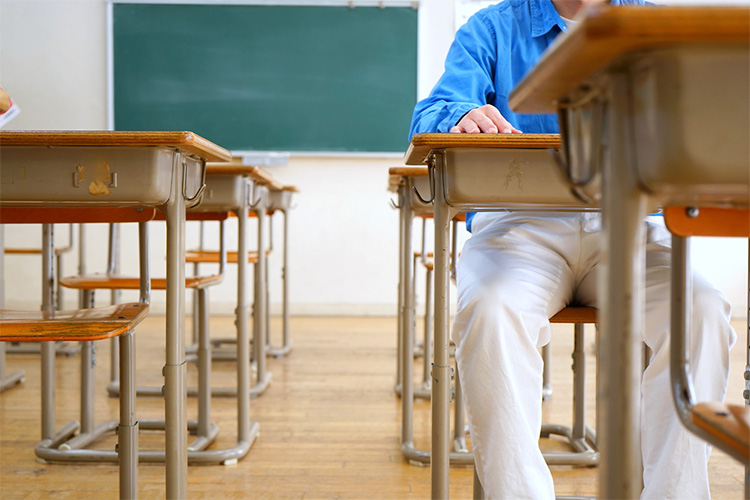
x=137, y=177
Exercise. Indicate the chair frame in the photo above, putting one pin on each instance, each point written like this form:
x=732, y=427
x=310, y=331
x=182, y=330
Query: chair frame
x=61, y=444
x=681, y=289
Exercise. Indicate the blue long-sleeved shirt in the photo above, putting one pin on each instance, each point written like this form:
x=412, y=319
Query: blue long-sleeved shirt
x=491, y=53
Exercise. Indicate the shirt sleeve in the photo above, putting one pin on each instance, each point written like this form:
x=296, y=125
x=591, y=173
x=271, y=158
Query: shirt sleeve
x=467, y=82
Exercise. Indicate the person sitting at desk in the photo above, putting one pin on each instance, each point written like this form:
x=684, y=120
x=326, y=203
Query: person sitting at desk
x=518, y=269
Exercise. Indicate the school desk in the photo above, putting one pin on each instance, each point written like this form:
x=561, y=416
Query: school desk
x=229, y=187
x=469, y=173
x=408, y=183
x=280, y=199
x=164, y=170
x=653, y=108
x=257, y=202
x=259, y=207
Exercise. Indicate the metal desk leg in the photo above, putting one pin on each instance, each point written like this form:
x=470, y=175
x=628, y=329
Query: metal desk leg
x=622, y=303
x=50, y=436
x=286, y=347
x=401, y=282
x=259, y=307
x=441, y=370
x=425, y=351
x=61, y=347
x=429, y=318
x=48, y=348
x=246, y=433
x=175, y=368
x=127, y=430
x=406, y=319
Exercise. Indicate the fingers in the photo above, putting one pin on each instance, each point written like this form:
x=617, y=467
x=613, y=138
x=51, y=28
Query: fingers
x=500, y=124
x=486, y=119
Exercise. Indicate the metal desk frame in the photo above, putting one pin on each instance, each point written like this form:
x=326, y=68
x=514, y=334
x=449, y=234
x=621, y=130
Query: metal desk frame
x=471, y=172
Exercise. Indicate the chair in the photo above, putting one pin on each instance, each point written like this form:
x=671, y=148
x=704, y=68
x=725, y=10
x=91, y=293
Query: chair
x=201, y=255
x=61, y=348
x=726, y=426
x=580, y=437
x=6, y=380
x=85, y=325
x=218, y=353
x=87, y=284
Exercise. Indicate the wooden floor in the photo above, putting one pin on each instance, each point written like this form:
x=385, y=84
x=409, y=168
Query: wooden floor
x=330, y=423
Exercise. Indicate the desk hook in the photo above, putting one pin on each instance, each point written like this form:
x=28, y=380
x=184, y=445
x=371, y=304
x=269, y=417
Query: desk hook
x=258, y=199
x=192, y=201
x=432, y=187
x=396, y=205
x=574, y=187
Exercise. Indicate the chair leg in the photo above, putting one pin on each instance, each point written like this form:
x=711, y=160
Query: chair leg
x=114, y=366
x=127, y=431
x=581, y=438
x=413, y=291
x=87, y=387
x=8, y=381
x=204, y=365
x=579, y=384
x=428, y=324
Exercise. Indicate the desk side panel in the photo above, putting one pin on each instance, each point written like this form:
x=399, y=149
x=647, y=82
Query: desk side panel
x=223, y=193
x=486, y=179
x=279, y=200
x=692, y=123
x=106, y=176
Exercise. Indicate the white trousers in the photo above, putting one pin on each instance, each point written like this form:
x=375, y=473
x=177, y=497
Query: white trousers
x=516, y=271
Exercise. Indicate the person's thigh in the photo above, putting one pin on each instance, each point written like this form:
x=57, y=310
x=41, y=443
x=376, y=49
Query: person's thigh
x=519, y=263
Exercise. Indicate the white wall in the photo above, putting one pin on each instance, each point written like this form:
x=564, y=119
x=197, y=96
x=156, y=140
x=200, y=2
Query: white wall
x=343, y=232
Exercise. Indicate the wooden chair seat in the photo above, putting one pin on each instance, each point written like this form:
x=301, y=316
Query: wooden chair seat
x=212, y=257
x=79, y=324
x=33, y=251
x=576, y=314
x=729, y=423
x=116, y=282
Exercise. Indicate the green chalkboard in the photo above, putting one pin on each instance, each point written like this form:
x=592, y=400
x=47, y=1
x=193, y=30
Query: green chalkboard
x=267, y=78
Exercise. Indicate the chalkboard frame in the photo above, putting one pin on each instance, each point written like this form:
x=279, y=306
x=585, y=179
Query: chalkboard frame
x=284, y=151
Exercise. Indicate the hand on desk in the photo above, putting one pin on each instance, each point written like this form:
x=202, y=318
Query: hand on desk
x=485, y=119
